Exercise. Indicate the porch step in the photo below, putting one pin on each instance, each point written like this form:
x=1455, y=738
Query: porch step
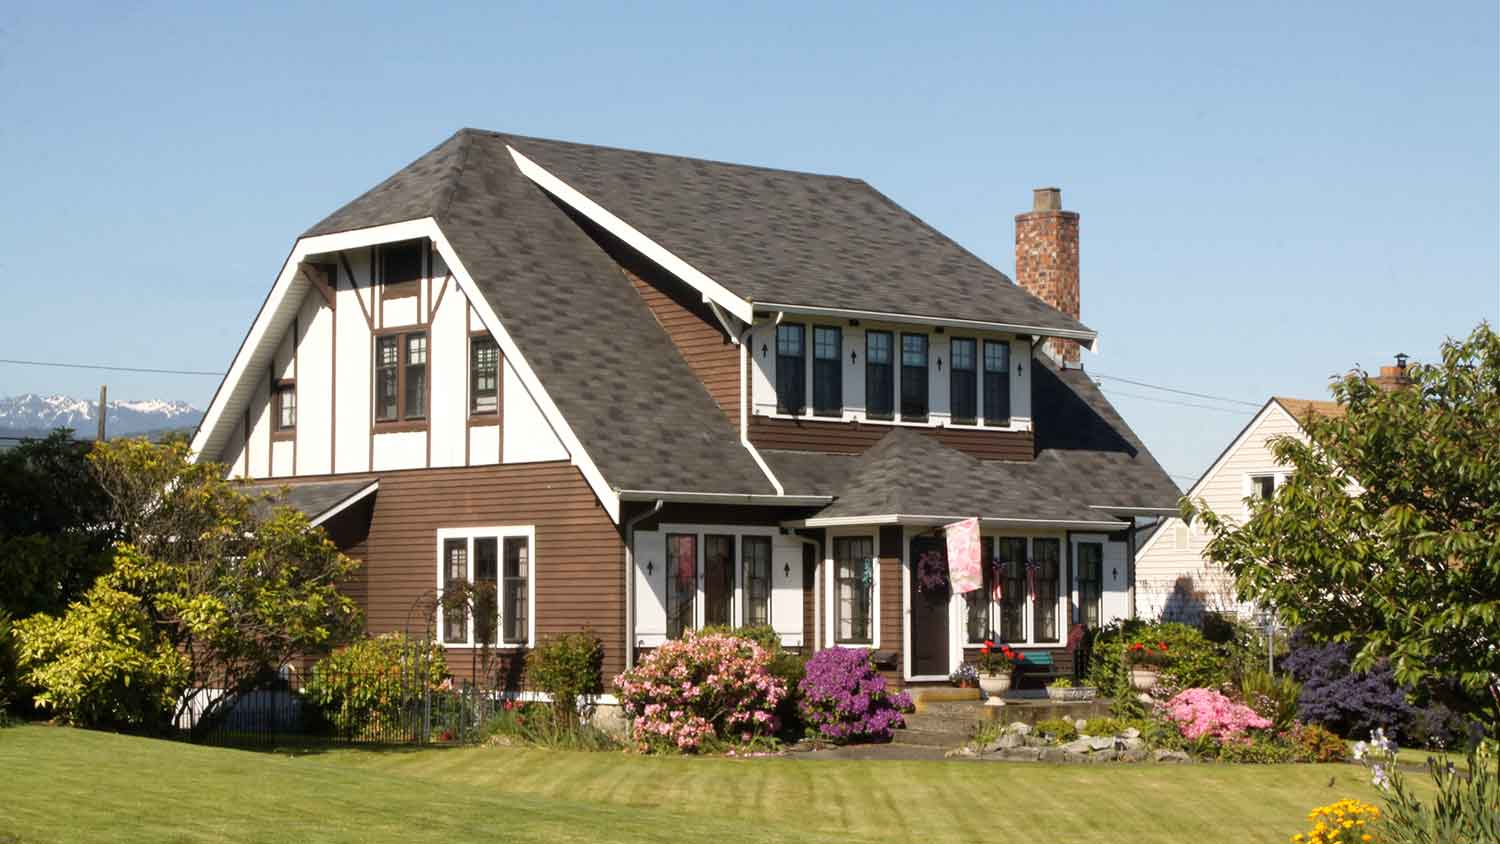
x=928, y=738
x=957, y=724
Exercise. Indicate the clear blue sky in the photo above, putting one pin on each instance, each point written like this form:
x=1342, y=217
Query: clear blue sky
x=1270, y=193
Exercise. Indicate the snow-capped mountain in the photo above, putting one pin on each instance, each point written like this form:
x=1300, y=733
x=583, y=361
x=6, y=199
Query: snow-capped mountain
x=31, y=414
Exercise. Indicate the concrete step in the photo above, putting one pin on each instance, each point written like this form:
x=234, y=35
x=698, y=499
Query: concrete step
x=928, y=738
x=962, y=727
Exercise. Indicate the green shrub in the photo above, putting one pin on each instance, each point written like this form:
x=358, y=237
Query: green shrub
x=102, y=664
x=366, y=689
x=1466, y=806
x=1058, y=728
x=1257, y=749
x=567, y=667
x=9, y=679
x=1271, y=697
x=536, y=723
x=1104, y=727
x=761, y=634
x=1191, y=662
x=1315, y=743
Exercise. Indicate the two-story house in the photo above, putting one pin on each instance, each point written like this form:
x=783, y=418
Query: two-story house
x=641, y=394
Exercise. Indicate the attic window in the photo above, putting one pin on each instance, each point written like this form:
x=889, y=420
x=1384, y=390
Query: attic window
x=286, y=407
x=401, y=263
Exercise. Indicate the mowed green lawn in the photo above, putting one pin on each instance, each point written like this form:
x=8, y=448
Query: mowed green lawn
x=73, y=785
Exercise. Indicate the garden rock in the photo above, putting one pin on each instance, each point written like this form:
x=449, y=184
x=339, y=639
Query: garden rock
x=1099, y=743
x=1134, y=755
x=1104, y=756
x=1075, y=758
x=1080, y=724
x=1022, y=754
x=1080, y=746
x=1036, y=741
x=1011, y=740
x=1130, y=733
x=1171, y=756
x=1131, y=743
x=1053, y=754
x=1020, y=728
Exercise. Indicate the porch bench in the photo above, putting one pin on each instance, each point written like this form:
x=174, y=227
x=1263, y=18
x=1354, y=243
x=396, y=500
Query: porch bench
x=1039, y=665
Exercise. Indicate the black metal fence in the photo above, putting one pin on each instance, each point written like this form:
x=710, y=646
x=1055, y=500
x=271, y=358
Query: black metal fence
x=343, y=707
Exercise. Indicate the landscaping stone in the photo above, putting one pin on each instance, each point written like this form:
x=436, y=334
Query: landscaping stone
x=1022, y=754
x=1104, y=755
x=1020, y=728
x=1080, y=724
x=1075, y=758
x=1010, y=740
x=1134, y=755
x=1081, y=746
x=1132, y=743
x=1171, y=756
x=1099, y=743
x=1037, y=741
x=1053, y=754
x=1130, y=733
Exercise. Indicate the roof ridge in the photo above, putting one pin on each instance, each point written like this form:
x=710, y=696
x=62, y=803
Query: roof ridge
x=457, y=175
x=508, y=136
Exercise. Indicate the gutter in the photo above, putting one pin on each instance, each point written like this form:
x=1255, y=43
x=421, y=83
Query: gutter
x=1090, y=337
x=630, y=581
x=723, y=498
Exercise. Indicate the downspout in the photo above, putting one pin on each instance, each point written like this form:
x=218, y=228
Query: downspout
x=745, y=414
x=630, y=581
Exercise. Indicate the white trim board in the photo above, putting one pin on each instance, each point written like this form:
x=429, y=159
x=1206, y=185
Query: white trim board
x=1091, y=338
x=284, y=300
x=928, y=520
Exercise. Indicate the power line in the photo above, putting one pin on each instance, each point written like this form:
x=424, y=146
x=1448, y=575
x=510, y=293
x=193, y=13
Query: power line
x=1179, y=392
x=1112, y=391
x=111, y=368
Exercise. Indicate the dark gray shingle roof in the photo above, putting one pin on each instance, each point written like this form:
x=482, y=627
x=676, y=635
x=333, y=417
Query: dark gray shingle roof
x=767, y=235
x=311, y=498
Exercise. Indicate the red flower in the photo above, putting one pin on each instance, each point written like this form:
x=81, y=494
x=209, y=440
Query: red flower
x=985, y=649
x=1137, y=646
x=988, y=643
x=1163, y=646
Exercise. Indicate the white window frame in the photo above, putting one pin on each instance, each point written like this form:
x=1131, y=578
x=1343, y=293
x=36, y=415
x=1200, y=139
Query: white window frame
x=499, y=534
x=739, y=532
x=830, y=590
x=959, y=609
x=937, y=416
x=1278, y=478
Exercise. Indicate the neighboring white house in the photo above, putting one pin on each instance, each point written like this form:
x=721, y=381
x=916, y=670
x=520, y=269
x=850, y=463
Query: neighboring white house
x=1173, y=580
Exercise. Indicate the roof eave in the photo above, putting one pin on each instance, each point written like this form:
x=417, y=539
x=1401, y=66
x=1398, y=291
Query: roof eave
x=1086, y=336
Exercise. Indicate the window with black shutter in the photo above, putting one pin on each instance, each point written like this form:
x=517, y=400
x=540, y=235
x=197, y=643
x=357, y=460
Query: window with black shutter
x=914, y=377
x=828, y=379
x=791, y=368
x=996, y=383
x=880, y=377
x=963, y=380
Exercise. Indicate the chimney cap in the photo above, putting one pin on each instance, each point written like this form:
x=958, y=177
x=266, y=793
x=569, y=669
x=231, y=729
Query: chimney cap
x=1046, y=199
x=1401, y=359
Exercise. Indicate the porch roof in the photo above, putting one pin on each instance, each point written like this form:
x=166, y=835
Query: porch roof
x=318, y=500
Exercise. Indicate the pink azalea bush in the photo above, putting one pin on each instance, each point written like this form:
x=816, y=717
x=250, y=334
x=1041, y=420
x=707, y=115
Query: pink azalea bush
x=702, y=688
x=1205, y=712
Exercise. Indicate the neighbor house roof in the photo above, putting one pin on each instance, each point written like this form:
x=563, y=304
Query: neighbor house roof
x=1300, y=408
x=767, y=235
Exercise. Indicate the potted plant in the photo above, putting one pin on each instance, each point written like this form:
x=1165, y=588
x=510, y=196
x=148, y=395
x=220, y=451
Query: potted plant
x=1062, y=689
x=966, y=677
x=1145, y=660
x=996, y=665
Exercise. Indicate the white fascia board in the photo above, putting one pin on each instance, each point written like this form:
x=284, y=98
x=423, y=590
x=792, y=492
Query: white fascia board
x=928, y=519
x=711, y=290
x=1090, y=337
x=346, y=503
x=580, y=457
x=724, y=498
x=286, y=284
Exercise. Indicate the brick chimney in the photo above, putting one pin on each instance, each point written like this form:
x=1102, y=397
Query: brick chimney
x=1047, y=262
x=1393, y=377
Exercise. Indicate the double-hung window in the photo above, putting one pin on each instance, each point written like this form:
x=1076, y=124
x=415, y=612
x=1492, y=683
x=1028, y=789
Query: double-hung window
x=828, y=371
x=286, y=407
x=401, y=377
x=914, y=377
x=963, y=380
x=484, y=376
x=757, y=553
x=880, y=376
x=484, y=577
x=791, y=368
x=854, y=589
x=996, y=383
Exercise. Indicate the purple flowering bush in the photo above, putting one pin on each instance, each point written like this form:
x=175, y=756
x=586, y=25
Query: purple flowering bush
x=702, y=689
x=844, y=699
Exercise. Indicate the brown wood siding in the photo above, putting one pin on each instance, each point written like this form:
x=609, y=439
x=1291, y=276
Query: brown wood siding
x=696, y=332
x=856, y=437
x=892, y=617
x=578, y=556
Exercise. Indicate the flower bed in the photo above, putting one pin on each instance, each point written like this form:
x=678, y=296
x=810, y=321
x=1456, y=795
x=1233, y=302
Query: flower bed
x=701, y=691
x=844, y=699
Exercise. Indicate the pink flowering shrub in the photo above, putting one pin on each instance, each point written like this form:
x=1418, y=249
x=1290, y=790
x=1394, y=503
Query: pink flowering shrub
x=1205, y=712
x=702, y=688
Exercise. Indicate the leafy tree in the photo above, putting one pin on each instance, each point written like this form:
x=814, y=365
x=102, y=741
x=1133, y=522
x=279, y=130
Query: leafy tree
x=211, y=589
x=1387, y=533
x=54, y=534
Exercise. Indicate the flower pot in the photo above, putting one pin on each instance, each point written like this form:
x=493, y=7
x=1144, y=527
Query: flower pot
x=995, y=685
x=1071, y=693
x=1143, y=678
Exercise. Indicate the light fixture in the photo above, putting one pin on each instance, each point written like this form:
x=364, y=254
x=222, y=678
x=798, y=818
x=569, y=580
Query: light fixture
x=650, y=568
x=763, y=349
x=940, y=363
x=854, y=323
x=786, y=570
x=1018, y=367
x=853, y=357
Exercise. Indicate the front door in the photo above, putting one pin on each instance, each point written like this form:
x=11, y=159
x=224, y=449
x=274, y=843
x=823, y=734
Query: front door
x=929, y=607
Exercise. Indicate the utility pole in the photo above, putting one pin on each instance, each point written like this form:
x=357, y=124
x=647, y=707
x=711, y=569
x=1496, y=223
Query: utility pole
x=103, y=404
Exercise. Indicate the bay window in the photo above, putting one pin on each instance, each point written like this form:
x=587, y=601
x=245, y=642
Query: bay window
x=914, y=377
x=854, y=589
x=484, y=581
x=1020, y=601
